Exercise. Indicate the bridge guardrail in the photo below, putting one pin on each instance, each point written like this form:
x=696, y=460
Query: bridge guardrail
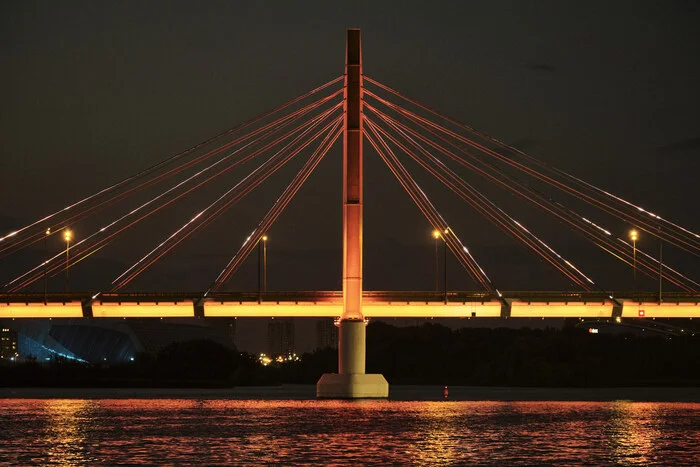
x=333, y=295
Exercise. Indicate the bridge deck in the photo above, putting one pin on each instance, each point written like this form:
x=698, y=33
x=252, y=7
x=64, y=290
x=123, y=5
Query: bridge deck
x=376, y=304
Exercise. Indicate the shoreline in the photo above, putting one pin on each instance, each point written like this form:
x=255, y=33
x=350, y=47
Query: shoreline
x=396, y=393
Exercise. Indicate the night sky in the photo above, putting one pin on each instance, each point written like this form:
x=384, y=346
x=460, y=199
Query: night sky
x=95, y=91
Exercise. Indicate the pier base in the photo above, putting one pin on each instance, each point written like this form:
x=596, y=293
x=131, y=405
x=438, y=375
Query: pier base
x=351, y=381
x=352, y=386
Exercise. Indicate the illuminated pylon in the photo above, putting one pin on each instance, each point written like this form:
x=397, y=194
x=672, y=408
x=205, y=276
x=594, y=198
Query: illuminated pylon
x=351, y=381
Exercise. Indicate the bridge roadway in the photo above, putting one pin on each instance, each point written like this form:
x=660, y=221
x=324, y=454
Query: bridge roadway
x=376, y=304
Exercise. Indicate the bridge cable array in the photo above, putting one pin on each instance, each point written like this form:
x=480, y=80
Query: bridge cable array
x=392, y=130
x=426, y=207
x=257, y=142
x=90, y=244
x=35, y=231
x=437, y=137
x=225, y=201
x=599, y=236
x=266, y=222
x=625, y=210
x=484, y=206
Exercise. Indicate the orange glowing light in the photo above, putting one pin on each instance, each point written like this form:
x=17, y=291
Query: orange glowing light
x=41, y=310
x=520, y=309
x=183, y=309
x=632, y=309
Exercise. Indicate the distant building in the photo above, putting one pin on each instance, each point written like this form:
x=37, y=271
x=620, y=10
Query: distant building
x=227, y=329
x=232, y=331
x=8, y=344
x=326, y=334
x=280, y=337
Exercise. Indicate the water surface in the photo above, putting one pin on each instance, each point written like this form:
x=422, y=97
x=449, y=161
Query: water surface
x=429, y=432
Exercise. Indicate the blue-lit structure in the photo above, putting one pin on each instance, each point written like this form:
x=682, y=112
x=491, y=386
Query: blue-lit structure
x=109, y=340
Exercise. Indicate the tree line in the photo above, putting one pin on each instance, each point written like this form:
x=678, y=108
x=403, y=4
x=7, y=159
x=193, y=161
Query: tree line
x=427, y=354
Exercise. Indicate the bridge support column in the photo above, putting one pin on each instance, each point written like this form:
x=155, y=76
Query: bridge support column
x=351, y=382
x=351, y=347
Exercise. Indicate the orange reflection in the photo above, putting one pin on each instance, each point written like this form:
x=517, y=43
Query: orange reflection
x=633, y=432
x=202, y=427
x=439, y=441
x=67, y=423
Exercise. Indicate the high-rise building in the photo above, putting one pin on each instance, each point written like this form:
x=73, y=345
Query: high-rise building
x=227, y=327
x=232, y=330
x=326, y=334
x=8, y=344
x=280, y=337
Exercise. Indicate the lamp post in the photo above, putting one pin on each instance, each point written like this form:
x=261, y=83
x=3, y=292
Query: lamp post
x=264, y=239
x=436, y=236
x=661, y=264
x=634, y=236
x=444, y=259
x=67, y=236
x=259, y=288
x=46, y=259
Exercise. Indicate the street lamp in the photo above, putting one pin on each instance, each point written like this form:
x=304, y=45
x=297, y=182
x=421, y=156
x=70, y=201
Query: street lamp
x=46, y=259
x=444, y=260
x=661, y=264
x=264, y=239
x=262, y=244
x=67, y=236
x=634, y=236
x=436, y=236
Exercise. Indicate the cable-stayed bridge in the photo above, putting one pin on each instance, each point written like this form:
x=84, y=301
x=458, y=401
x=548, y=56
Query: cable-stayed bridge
x=404, y=133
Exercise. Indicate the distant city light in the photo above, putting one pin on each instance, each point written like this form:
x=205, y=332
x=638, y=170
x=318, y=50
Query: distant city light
x=265, y=359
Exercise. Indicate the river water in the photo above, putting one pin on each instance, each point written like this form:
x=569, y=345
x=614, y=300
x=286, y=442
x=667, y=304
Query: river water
x=210, y=430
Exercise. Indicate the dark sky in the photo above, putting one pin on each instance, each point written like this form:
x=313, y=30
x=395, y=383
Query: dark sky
x=92, y=92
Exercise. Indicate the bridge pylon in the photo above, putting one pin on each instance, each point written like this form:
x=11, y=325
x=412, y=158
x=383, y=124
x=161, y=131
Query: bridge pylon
x=351, y=381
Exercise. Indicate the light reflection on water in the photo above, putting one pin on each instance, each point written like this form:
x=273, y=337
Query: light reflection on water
x=239, y=432
x=634, y=431
x=65, y=425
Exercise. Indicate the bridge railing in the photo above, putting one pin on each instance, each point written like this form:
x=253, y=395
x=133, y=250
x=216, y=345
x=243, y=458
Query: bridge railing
x=368, y=295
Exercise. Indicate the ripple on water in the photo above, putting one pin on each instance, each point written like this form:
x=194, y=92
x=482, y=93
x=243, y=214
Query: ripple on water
x=225, y=432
